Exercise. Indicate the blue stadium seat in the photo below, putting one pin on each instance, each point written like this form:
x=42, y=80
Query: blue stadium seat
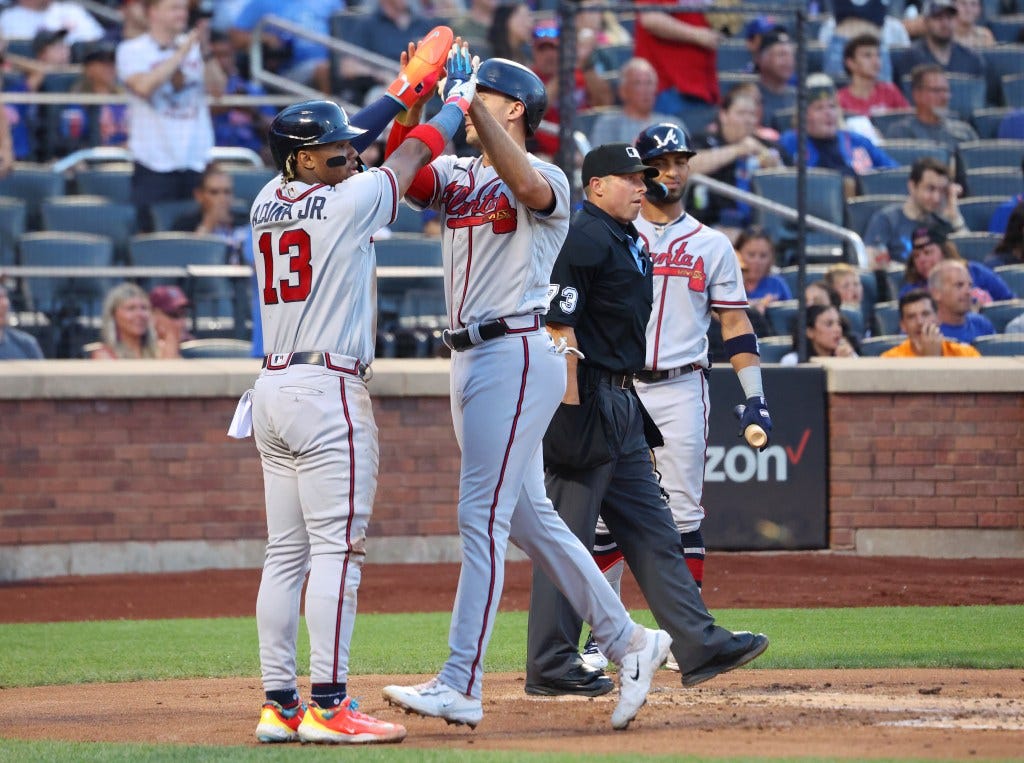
x=991, y=153
x=887, y=316
x=874, y=346
x=32, y=183
x=1000, y=345
x=995, y=181
x=212, y=296
x=975, y=246
x=907, y=151
x=79, y=250
x=773, y=348
x=114, y=182
x=12, y=225
x=92, y=214
x=249, y=181
x=986, y=121
x=887, y=182
x=1002, y=312
x=978, y=210
x=1013, y=276
x=781, y=315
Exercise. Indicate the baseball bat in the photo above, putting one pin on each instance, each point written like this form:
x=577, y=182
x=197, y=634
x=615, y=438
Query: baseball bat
x=755, y=436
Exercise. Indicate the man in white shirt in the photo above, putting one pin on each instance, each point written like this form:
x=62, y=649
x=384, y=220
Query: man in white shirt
x=23, y=20
x=170, y=74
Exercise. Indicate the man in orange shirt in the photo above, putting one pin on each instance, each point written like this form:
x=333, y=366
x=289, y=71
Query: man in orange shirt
x=920, y=323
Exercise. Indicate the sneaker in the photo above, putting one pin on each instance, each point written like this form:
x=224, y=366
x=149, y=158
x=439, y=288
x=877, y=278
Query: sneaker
x=671, y=664
x=436, y=700
x=346, y=725
x=750, y=646
x=635, y=675
x=592, y=654
x=279, y=725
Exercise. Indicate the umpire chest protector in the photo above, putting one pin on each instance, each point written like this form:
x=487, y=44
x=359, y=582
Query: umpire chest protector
x=602, y=292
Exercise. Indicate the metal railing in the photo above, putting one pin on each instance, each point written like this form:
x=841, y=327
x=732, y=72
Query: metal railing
x=233, y=154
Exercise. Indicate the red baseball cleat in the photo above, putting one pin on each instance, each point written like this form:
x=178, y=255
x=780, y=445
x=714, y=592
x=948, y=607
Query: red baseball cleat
x=279, y=725
x=346, y=725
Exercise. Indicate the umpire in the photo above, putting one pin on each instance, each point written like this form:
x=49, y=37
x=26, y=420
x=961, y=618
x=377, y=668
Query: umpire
x=596, y=450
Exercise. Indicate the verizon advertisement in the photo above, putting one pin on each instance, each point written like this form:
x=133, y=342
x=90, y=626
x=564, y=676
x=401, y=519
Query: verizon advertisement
x=775, y=499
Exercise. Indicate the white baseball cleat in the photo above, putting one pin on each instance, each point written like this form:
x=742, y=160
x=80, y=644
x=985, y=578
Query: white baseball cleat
x=635, y=674
x=671, y=664
x=436, y=700
x=592, y=654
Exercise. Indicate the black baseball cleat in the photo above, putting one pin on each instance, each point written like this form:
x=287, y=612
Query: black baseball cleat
x=752, y=645
x=580, y=681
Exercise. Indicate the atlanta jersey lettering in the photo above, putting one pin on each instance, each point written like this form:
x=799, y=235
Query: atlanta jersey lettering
x=695, y=269
x=307, y=239
x=498, y=253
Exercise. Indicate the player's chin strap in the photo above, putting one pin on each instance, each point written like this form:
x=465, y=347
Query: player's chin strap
x=563, y=348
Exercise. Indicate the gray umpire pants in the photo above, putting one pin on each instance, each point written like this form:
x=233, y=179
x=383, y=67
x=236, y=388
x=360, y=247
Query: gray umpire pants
x=625, y=493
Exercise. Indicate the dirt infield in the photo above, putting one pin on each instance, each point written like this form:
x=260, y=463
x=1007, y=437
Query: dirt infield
x=933, y=714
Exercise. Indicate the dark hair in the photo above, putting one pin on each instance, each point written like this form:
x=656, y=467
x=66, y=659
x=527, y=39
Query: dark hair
x=924, y=164
x=752, y=233
x=740, y=90
x=833, y=295
x=949, y=252
x=211, y=169
x=919, y=72
x=813, y=313
x=1013, y=237
x=860, y=41
x=916, y=295
x=497, y=34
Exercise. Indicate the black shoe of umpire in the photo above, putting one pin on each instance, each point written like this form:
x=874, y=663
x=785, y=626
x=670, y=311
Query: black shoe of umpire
x=750, y=646
x=581, y=681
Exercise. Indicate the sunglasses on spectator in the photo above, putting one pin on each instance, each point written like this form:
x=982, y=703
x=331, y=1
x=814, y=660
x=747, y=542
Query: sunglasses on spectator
x=546, y=32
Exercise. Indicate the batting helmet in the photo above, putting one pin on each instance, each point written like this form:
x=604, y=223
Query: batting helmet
x=663, y=138
x=517, y=82
x=310, y=123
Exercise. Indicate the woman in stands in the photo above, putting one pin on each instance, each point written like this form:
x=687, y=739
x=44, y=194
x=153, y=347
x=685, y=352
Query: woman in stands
x=511, y=33
x=825, y=337
x=966, y=29
x=929, y=247
x=1010, y=251
x=757, y=256
x=126, y=330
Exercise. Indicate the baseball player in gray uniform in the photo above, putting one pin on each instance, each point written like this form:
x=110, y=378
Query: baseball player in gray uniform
x=504, y=216
x=310, y=410
x=695, y=271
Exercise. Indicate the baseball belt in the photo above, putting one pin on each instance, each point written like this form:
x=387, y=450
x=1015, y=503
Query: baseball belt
x=463, y=339
x=649, y=377
x=349, y=365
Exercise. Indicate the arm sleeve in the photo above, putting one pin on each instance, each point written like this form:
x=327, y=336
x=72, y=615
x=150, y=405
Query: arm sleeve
x=725, y=281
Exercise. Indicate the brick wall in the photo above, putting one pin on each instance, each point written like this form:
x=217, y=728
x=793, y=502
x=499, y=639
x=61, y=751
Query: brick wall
x=925, y=461
x=163, y=469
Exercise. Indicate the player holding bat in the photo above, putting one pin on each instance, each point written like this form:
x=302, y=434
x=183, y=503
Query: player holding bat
x=695, y=272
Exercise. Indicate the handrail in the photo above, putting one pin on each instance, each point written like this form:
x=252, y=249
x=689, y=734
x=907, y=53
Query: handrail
x=100, y=99
x=103, y=11
x=260, y=74
x=116, y=154
x=787, y=213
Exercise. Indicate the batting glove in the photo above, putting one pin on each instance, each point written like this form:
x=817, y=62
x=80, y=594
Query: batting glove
x=420, y=73
x=755, y=411
x=460, y=76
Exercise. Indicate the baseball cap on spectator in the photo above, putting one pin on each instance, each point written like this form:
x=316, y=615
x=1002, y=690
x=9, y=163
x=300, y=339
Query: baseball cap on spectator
x=168, y=299
x=101, y=50
x=926, y=235
x=820, y=86
x=773, y=37
x=614, y=159
x=761, y=25
x=546, y=33
x=938, y=8
x=45, y=38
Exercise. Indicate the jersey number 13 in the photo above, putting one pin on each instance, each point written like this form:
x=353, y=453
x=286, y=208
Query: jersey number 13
x=293, y=244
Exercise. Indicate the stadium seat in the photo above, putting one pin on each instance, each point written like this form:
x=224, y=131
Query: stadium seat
x=66, y=294
x=824, y=200
x=1000, y=345
x=607, y=58
x=1013, y=91
x=886, y=119
x=12, y=225
x=114, y=182
x=773, y=348
x=1006, y=28
x=1000, y=61
x=975, y=246
x=212, y=296
x=1013, y=276
x=791, y=273
x=733, y=56
x=859, y=209
x=991, y=153
x=781, y=315
x=887, y=182
x=249, y=181
x=986, y=121
x=907, y=151
x=1002, y=312
x=92, y=214
x=855, y=319
x=164, y=215
x=874, y=346
x=32, y=183
x=216, y=348
x=978, y=210
x=887, y=316
x=995, y=181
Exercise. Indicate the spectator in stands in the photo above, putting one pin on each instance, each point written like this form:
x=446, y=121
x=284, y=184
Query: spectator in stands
x=938, y=46
x=929, y=90
x=1001, y=217
x=101, y=124
x=753, y=31
x=6, y=141
x=170, y=75
x=776, y=64
x=126, y=327
x=918, y=320
x=213, y=216
x=820, y=293
x=51, y=52
x=966, y=29
x=511, y=33
x=828, y=146
x=170, y=313
x=931, y=203
x=825, y=337
x=949, y=283
x=301, y=59
x=866, y=94
x=15, y=344
x=245, y=127
x=385, y=31
x=18, y=119
x=854, y=18
x=730, y=152
x=682, y=48
x=845, y=279
x=932, y=247
x=473, y=25
x=757, y=257
x=599, y=29
x=590, y=88
x=638, y=87
x=27, y=17
x=1010, y=250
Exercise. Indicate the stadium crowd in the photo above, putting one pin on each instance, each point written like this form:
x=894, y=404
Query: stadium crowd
x=915, y=121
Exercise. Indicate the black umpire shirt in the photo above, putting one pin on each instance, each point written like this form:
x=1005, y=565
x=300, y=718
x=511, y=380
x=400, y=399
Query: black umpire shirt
x=601, y=293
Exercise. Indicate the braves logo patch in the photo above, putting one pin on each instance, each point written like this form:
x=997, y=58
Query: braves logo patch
x=491, y=207
x=678, y=264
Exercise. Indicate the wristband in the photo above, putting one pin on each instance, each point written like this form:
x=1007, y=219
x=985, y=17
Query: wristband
x=431, y=137
x=740, y=344
x=750, y=380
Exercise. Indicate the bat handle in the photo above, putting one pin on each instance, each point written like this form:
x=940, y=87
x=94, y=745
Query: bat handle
x=755, y=436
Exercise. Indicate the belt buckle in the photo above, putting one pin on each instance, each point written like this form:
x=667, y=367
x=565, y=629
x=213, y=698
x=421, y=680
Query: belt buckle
x=446, y=337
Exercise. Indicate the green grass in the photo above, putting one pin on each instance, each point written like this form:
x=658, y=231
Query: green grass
x=131, y=650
